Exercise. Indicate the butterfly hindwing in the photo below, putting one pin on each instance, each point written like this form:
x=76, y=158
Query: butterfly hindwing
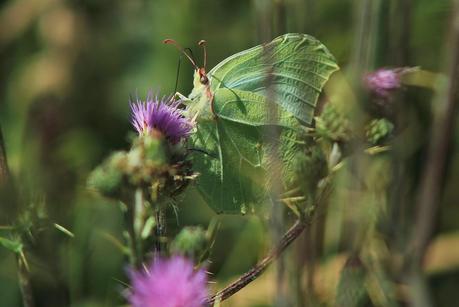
x=234, y=177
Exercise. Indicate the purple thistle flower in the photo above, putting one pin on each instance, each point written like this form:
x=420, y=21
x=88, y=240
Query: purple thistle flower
x=383, y=81
x=168, y=283
x=162, y=115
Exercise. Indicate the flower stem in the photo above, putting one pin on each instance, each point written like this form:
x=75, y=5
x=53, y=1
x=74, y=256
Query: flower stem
x=136, y=221
x=293, y=233
x=24, y=281
x=4, y=171
x=160, y=229
x=23, y=270
x=139, y=213
x=133, y=259
x=432, y=180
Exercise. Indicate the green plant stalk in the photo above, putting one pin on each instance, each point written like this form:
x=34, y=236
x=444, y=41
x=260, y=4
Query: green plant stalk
x=431, y=186
x=23, y=271
x=139, y=221
x=136, y=223
x=402, y=12
x=134, y=228
x=280, y=27
x=278, y=12
x=160, y=229
x=4, y=171
x=443, y=125
x=133, y=259
x=24, y=281
x=364, y=28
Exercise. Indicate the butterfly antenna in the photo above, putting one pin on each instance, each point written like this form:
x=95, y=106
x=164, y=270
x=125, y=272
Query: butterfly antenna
x=178, y=73
x=180, y=48
x=203, y=44
x=190, y=53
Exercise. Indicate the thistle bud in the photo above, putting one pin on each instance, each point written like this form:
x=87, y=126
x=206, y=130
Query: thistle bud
x=332, y=124
x=190, y=242
x=107, y=178
x=378, y=130
x=310, y=168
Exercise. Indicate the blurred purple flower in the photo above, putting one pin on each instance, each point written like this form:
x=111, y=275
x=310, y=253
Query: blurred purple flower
x=168, y=283
x=162, y=115
x=383, y=81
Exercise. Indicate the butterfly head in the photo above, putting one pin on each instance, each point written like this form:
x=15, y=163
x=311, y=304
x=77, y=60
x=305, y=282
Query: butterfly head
x=203, y=79
x=201, y=95
x=200, y=72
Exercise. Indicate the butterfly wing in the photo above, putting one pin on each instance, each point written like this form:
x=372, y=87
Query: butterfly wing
x=294, y=66
x=235, y=178
x=248, y=108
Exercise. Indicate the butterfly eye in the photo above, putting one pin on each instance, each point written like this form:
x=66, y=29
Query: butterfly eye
x=204, y=80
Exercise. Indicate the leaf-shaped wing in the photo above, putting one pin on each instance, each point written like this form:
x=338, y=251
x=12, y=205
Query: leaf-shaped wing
x=233, y=176
x=228, y=174
x=296, y=66
x=248, y=108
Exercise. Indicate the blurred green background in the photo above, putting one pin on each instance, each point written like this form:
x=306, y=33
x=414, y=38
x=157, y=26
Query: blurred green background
x=67, y=69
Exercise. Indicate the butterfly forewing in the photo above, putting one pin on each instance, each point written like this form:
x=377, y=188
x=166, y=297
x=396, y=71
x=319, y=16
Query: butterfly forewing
x=248, y=108
x=294, y=66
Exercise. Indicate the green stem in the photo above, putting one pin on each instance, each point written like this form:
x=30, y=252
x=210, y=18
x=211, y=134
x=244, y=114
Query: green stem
x=135, y=222
x=138, y=223
x=431, y=187
x=160, y=229
x=24, y=281
x=23, y=271
x=4, y=171
x=432, y=180
x=132, y=241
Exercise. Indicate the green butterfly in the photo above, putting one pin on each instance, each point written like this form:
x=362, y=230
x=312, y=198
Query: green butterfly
x=230, y=103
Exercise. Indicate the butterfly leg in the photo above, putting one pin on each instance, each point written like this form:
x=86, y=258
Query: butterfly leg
x=185, y=101
x=181, y=96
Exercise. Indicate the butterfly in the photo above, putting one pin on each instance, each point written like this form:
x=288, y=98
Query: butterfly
x=230, y=104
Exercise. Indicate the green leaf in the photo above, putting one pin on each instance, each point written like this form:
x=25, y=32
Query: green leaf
x=423, y=78
x=64, y=230
x=148, y=227
x=116, y=243
x=14, y=246
x=297, y=66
